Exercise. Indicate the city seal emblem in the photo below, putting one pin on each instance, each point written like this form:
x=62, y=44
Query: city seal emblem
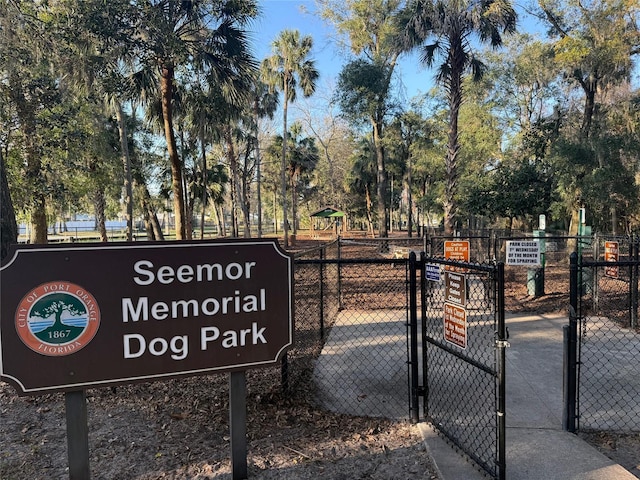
x=57, y=318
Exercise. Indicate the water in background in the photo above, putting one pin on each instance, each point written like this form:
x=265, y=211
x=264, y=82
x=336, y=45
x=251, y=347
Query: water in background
x=79, y=226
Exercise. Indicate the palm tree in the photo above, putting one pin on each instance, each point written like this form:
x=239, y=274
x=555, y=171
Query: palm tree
x=285, y=70
x=444, y=29
x=265, y=104
x=208, y=36
x=202, y=106
x=103, y=53
x=303, y=158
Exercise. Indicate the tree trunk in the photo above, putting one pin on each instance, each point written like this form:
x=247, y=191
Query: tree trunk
x=126, y=162
x=283, y=173
x=245, y=194
x=245, y=204
x=38, y=220
x=235, y=179
x=275, y=212
x=35, y=182
x=294, y=202
x=222, y=229
x=590, y=87
x=258, y=170
x=151, y=236
x=204, y=182
x=453, y=147
x=614, y=220
x=153, y=216
x=409, y=200
x=8, y=224
x=188, y=199
x=98, y=210
x=37, y=207
x=370, y=229
x=166, y=90
x=189, y=205
x=383, y=212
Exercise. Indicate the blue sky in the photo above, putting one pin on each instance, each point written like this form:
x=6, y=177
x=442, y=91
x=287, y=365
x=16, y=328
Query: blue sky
x=278, y=15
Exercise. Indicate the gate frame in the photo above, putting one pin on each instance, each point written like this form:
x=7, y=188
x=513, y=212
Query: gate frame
x=501, y=343
x=573, y=341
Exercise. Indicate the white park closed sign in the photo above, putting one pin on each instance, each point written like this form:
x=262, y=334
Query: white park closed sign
x=523, y=252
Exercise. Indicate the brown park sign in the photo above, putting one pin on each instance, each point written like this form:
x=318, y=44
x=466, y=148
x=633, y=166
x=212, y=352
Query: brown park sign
x=86, y=315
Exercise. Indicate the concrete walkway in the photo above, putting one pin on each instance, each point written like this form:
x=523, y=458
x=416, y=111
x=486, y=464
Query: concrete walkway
x=537, y=447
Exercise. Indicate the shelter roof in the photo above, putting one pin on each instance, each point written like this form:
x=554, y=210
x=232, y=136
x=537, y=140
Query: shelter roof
x=327, y=212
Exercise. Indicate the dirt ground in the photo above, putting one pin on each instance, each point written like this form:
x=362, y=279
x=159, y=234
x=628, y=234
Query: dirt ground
x=179, y=429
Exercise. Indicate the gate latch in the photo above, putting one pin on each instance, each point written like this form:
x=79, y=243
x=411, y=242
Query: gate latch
x=502, y=344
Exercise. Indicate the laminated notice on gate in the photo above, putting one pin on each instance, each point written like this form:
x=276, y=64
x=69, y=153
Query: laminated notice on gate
x=523, y=252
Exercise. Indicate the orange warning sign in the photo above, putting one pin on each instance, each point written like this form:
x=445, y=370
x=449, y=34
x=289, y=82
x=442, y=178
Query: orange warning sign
x=611, y=254
x=457, y=250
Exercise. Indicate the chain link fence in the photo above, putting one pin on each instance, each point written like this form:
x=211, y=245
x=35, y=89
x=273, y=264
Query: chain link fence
x=363, y=366
x=350, y=349
x=609, y=339
x=317, y=303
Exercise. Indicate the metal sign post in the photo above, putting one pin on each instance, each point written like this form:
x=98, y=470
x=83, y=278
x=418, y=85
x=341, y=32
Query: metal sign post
x=77, y=435
x=238, y=424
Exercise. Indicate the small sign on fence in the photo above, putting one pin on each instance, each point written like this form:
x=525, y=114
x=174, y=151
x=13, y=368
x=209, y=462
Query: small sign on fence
x=432, y=272
x=523, y=252
x=457, y=250
x=611, y=254
x=455, y=325
x=455, y=288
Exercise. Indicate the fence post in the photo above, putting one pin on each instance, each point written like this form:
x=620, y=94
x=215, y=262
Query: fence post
x=424, y=285
x=77, y=434
x=633, y=284
x=321, y=294
x=596, y=283
x=339, y=274
x=413, y=333
x=502, y=395
x=570, y=338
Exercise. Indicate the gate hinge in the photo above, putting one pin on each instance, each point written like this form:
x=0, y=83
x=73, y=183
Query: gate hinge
x=502, y=344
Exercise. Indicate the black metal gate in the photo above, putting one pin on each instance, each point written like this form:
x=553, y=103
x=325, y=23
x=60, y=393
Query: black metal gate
x=463, y=340
x=602, y=342
x=449, y=314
